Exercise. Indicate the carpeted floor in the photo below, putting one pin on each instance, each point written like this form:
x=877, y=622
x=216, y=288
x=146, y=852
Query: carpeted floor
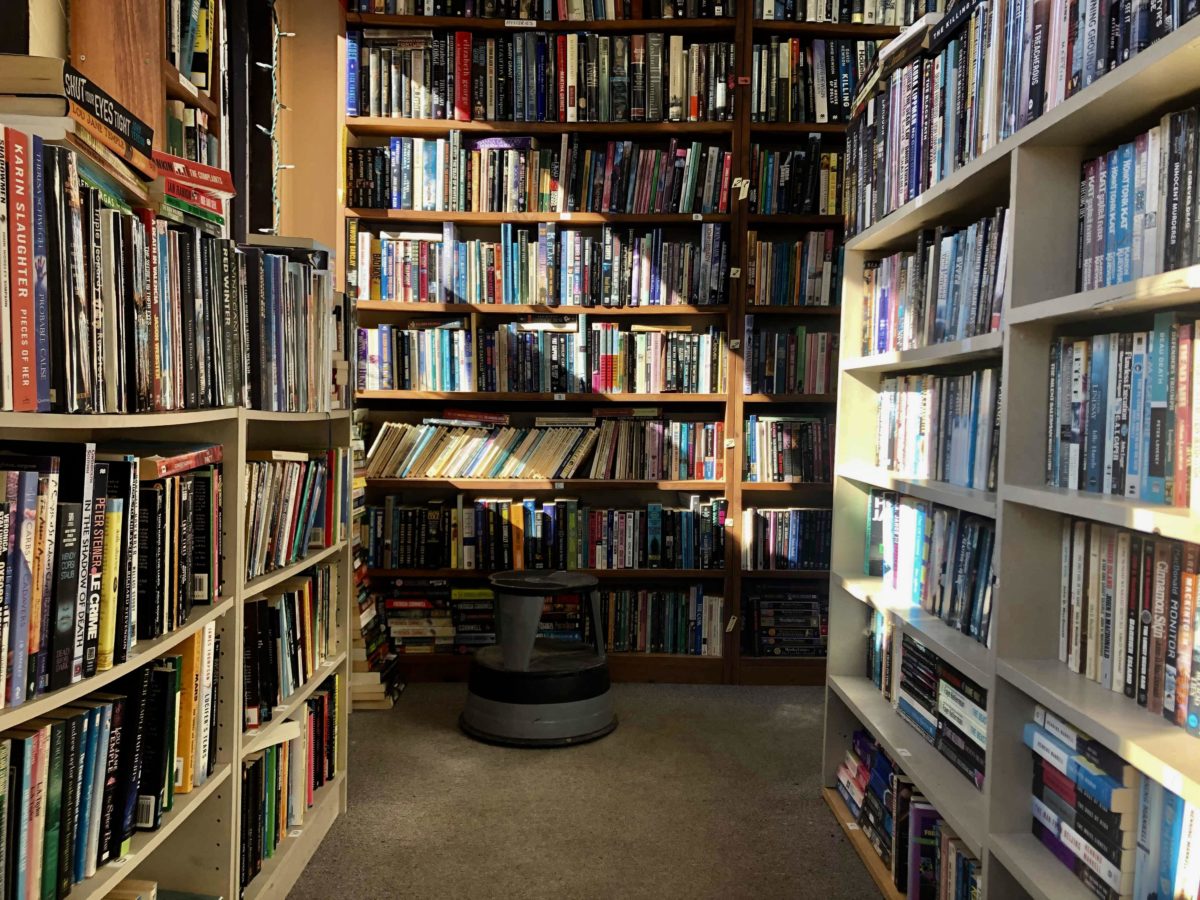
x=701, y=792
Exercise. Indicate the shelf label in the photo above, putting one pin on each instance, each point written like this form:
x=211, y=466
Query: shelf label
x=744, y=190
x=560, y=396
x=743, y=80
x=122, y=860
x=566, y=216
x=730, y=443
x=903, y=751
x=732, y=624
x=735, y=344
x=697, y=217
x=520, y=23
x=558, y=485
x=735, y=273
x=295, y=832
x=851, y=826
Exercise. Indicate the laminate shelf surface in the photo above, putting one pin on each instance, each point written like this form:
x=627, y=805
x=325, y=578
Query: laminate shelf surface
x=955, y=798
x=533, y=218
x=788, y=487
x=261, y=584
x=268, y=734
x=812, y=219
x=1149, y=294
x=961, y=650
x=1166, y=521
x=793, y=128
x=982, y=503
x=501, y=309
x=1038, y=870
x=879, y=873
x=785, y=574
x=383, y=126
x=1147, y=741
x=982, y=348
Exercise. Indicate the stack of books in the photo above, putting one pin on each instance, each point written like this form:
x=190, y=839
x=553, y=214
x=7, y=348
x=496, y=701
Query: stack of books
x=538, y=76
x=941, y=427
x=945, y=707
x=804, y=272
x=950, y=288
x=418, y=614
x=805, y=181
x=935, y=558
x=789, y=359
x=792, y=538
x=785, y=620
x=791, y=449
x=374, y=667
x=1121, y=412
x=473, y=610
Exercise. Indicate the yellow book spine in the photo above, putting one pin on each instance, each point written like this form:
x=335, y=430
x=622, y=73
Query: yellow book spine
x=110, y=577
x=189, y=704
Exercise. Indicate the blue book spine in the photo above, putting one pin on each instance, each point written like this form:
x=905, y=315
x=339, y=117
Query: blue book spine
x=1112, y=196
x=1172, y=835
x=22, y=836
x=919, y=718
x=387, y=370
x=432, y=188
x=406, y=168
x=918, y=556
x=541, y=82
x=1157, y=426
x=1134, y=461
x=1096, y=413
x=20, y=566
x=396, y=172
x=352, y=40
x=1124, y=264
x=41, y=316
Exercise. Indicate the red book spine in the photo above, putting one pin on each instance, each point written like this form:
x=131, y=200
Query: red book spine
x=462, y=77
x=20, y=250
x=726, y=174
x=561, y=47
x=1183, y=415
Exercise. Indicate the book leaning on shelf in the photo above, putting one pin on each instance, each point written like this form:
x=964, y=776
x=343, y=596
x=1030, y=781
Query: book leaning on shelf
x=537, y=76
x=1123, y=413
x=1128, y=617
x=498, y=534
x=935, y=558
x=788, y=359
x=551, y=10
x=84, y=777
x=107, y=547
x=280, y=783
x=549, y=264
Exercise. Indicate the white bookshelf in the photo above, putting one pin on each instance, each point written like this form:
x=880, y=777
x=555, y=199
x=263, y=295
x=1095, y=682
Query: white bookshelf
x=197, y=846
x=1035, y=174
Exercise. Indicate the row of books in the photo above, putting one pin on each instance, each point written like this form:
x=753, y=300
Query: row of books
x=552, y=10
x=104, y=548
x=924, y=857
x=934, y=558
x=190, y=35
x=1121, y=410
x=131, y=311
x=289, y=636
x=941, y=427
x=1127, y=616
x=428, y=355
x=788, y=359
x=538, y=76
x=519, y=175
x=190, y=135
x=866, y=12
x=1138, y=205
x=280, y=782
x=498, y=534
x=82, y=779
x=549, y=265
x=785, y=621
x=794, y=81
x=945, y=707
x=786, y=539
x=805, y=272
x=788, y=449
x=295, y=500
x=803, y=180
x=683, y=621
x=985, y=75
x=950, y=288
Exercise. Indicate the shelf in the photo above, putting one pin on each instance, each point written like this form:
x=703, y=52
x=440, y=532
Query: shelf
x=180, y=88
x=1148, y=742
x=981, y=348
x=1172, y=522
x=144, y=652
x=263, y=583
x=880, y=874
x=955, y=798
x=816, y=221
x=960, y=650
x=533, y=218
x=253, y=741
x=1039, y=871
x=805, y=487
x=789, y=398
x=545, y=484
x=825, y=29
x=648, y=574
x=505, y=396
x=383, y=126
x=981, y=503
x=780, y=670
x=755, y=310
x=263, y=415
x=793, y=128
x=502, y=309
x=1154, y=292
x=786, y=574
x=131, y=421
x=482, y=24
x=107, y=877
x=281, y=871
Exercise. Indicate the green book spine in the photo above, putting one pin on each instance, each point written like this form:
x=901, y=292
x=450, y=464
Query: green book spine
x=54, y=800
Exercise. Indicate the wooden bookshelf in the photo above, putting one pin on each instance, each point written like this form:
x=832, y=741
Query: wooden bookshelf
x=1035, y=174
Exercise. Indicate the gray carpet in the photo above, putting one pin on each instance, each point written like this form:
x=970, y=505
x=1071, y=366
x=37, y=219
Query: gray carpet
x=701, y=792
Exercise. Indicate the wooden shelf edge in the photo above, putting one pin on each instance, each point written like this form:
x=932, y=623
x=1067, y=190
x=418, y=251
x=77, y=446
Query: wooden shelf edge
x=179, y=87
x=861, y=844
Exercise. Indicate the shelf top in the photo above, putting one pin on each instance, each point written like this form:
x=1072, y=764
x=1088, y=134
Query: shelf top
x=19, y=421
x=383, y=126
x=982, y=503
x=982, y=348
x=1164, y=521
x=477, y=23
x=1149, y=294
x=533, y=218
x=501, y=396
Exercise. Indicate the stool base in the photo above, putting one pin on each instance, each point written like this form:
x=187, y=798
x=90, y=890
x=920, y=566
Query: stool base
x=538, y=724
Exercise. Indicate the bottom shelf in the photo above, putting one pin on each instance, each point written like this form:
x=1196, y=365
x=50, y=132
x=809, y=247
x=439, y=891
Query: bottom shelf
x=879, y=873
x=769, y=670
x=280, y=872
x=1035, y=868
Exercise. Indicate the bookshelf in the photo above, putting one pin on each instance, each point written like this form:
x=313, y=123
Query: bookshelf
x=317, y=95
x=1035, y=173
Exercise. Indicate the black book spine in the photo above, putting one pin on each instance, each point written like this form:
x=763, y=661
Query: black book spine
x=66, y=592
x=187, y=280
x=109, y=815
x=95, y=562
x=183, y=598
x=133, y=740
x=153, y=756
x=213, y=700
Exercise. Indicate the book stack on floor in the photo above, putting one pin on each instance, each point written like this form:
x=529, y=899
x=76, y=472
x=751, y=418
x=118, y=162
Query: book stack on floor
x=1128, y=617
x=89, y=775
x=782, y=620
x=1121, y=412
x=374, y=672
x=945, y=707
x=280, y=782
x=918, y=849
x=418, y=614
x=935, y=558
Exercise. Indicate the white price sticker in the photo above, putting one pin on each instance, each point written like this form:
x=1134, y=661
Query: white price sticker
x=566, y=216
x=697, y=217
x=744, y=190
x=558, y=485
x=122, y=860
x=852, y=826
x=295, y=833
x=560, y=396
x=520, y=23
x=732, y=624
x=735, y=344
x=903, y=751
x=730, y=443
x=735, y=273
